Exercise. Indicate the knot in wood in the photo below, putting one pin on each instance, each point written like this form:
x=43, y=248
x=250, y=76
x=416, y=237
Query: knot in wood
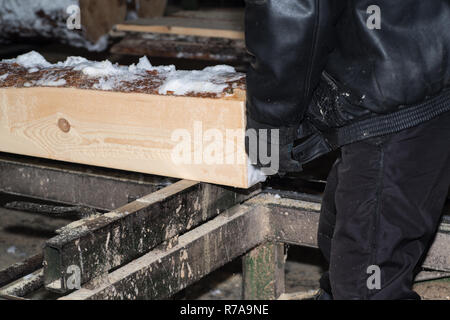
x=64, y=125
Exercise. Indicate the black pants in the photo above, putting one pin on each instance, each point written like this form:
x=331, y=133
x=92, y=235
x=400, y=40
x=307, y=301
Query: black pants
x=382, y=207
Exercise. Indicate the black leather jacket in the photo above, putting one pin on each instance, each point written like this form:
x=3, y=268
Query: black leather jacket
x=328, y=62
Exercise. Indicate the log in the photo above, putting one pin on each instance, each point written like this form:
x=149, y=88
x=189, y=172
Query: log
x=126, y=120
x=48, y=19
x=228, y=29
x=218, y=50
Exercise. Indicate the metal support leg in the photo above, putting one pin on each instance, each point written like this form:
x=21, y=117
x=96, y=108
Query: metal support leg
x=263, y=272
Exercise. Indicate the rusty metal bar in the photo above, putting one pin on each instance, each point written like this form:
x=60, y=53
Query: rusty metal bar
x=20, y=269
x=165, y=271
x=24, y=285
x=74, y=184
x=263, y=272
x=296, y=222
x=96, y=245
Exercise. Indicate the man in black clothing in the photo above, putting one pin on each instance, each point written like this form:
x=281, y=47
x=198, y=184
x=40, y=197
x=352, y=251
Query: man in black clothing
x=371, y=78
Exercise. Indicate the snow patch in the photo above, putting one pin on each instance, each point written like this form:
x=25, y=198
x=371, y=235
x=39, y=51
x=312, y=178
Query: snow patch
x=183, y=82
x=31, y=60
x=144, y=64
x=212, y=80
x=254, y=175
x=51, y=82
x=11, y=250
x=99, y=69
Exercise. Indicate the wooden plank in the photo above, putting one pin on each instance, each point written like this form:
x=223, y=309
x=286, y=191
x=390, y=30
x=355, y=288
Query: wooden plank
x=302, y=295
x=292, y=221
x=187, y=26
x=127, y=131
x=219, y=50
x=20, y=269
x=99, y=244
x=263, y=272
x=296, y=222
x=163, y=272
x=24, y=285
x=230, y=14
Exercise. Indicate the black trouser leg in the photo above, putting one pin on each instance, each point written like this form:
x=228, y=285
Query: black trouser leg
x=327, y=223
x=387, y=195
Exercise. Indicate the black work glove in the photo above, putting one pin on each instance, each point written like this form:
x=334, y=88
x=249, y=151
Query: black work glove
x=270, y=148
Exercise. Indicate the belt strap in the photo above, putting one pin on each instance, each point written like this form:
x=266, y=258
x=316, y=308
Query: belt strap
x=322, y=142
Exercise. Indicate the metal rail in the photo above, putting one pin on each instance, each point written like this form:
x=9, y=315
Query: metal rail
x=171, y=235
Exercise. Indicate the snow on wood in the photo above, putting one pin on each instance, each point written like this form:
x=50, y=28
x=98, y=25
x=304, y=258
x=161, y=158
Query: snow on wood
x=31, y=70
x=125, y=117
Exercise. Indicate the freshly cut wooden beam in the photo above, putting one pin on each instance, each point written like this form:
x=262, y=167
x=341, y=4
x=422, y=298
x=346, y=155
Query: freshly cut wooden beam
x=230, y=29
x=59, y=113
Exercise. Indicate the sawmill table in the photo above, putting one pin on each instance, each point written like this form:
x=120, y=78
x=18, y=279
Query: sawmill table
x=160, y=235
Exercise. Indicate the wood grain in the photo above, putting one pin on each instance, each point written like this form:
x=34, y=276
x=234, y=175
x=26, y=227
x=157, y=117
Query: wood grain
x=128, y=131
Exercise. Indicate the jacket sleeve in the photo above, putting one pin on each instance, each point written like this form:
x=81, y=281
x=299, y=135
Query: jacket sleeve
x=289, y=41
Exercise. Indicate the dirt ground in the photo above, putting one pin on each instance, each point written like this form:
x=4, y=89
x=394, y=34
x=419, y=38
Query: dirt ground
x=24, y=234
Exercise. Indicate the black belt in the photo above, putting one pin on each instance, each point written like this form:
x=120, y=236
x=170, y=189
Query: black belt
x=319, y=142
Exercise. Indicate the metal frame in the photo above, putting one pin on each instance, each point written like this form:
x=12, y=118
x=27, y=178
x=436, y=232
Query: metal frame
x=160, y=243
